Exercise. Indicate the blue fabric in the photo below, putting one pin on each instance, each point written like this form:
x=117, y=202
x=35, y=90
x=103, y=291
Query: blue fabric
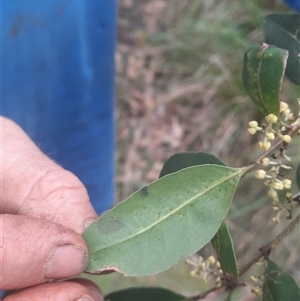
x=58, y=84
x=294, y=4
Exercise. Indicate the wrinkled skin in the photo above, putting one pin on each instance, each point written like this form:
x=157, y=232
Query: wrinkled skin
x=44, y=209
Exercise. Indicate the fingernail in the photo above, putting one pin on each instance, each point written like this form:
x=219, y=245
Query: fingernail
x=88, y=221
x=65, y=261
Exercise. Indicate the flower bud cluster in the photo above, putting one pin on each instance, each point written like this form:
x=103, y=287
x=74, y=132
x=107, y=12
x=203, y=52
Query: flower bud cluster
x=272, y=130
x=256, y=289
x=272, y=174
x=286, y=112
x=206, y=268
x=257, y=284
x=274, y=184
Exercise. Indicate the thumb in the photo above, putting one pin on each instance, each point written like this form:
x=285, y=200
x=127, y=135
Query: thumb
x=36, y=251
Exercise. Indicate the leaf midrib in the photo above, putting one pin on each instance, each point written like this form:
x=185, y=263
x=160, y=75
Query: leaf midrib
x=239, y=171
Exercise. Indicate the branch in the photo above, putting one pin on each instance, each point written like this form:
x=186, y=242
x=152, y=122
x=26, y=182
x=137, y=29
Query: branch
x=277, y=143
x=271, y=245
x=267, y=248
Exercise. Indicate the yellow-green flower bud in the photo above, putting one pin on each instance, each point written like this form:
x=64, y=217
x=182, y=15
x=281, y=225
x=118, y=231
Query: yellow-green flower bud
x=272, y=118
x=266, y=145
x=276, y=220
x=260, y=174
x=211, y=259
x=278, y=185
x=283, y=106
x=265, y=161
x=254, y=278
x=287, y=184
x=270, y=136
x=287, y=138
x=257, y=291
x=253, y=124
x=203, y=264
x=251, y=131
x=272, y=193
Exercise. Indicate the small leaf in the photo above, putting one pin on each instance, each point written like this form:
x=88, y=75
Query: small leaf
x=163, y=223
x=278, y=285
x=145, y=294
x=283, y=30
x=263, y=72
x=298, y=176
x=222, y=243
x=184, y=160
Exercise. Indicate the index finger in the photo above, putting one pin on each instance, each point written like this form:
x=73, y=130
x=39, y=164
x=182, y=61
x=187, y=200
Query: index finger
x=32, y=184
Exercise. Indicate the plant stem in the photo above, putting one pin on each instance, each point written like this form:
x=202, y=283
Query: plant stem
x=250, y=167
x=269, y=246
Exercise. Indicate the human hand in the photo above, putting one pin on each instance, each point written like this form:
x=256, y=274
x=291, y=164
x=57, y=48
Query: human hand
x=44, y=210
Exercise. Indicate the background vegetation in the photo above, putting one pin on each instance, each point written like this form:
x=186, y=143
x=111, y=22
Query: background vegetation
x=179, y=88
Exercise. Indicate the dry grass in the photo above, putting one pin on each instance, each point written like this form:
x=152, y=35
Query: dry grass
x=179, y=82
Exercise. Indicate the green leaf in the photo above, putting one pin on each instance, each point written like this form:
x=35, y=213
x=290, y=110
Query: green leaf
x=222, y=243
x=145, y=294
x=184, y=160
x=298, y=176
x=163, y=223
x=283, y=30
x=278, y=285
x=263, y=72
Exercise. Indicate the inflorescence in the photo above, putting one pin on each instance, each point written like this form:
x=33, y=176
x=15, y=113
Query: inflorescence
x=206, y=268
x=273, y=177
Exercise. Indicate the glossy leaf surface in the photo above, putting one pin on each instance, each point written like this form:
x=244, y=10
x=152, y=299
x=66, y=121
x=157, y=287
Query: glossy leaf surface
x=163, y=223
x=188, y=159
x=222, y=243
x=283, y=30
x=263, y=72
x=278, y=285
x=145, y=294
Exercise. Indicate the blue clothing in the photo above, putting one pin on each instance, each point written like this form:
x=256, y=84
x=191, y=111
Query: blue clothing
x=58, y=84
x=293, y=4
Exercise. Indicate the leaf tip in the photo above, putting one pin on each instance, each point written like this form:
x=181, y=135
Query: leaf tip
x=106, y=270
